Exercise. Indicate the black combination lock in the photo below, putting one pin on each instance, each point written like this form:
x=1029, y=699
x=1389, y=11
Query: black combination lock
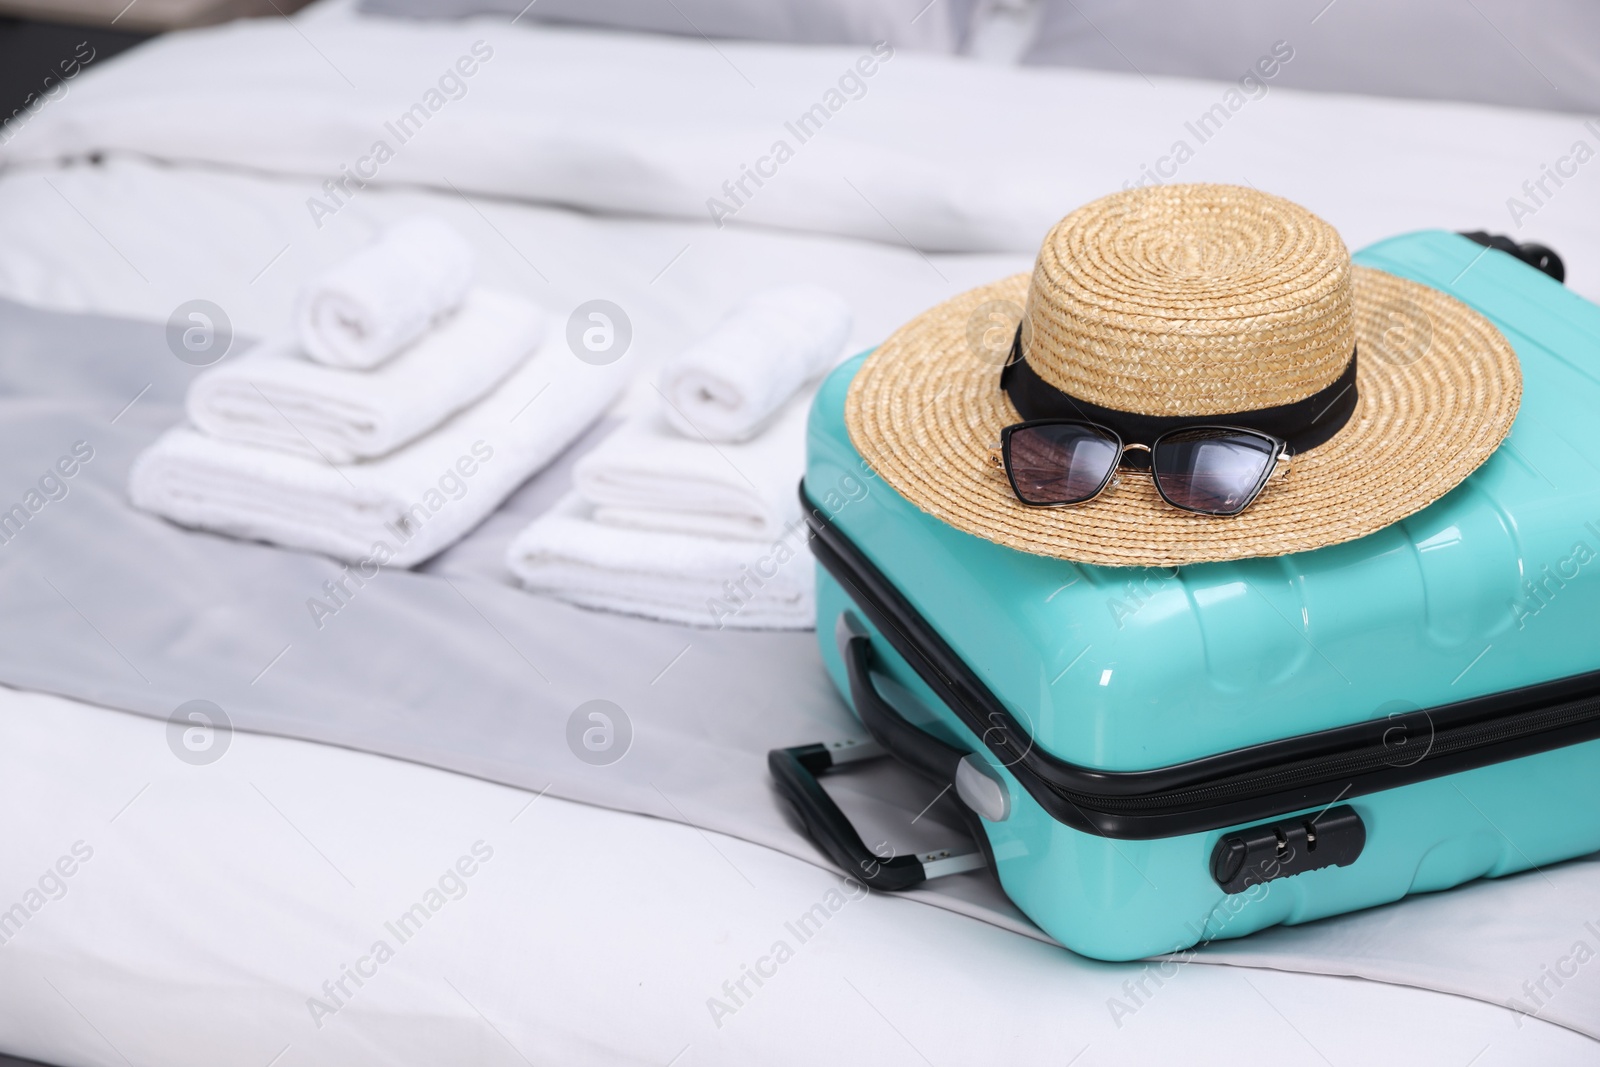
x=1332, y=838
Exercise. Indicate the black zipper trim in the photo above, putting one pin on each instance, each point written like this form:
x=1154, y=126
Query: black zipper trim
x=1239, y=786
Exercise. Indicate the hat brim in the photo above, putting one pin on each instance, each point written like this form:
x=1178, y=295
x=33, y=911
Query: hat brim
x=1438, y=386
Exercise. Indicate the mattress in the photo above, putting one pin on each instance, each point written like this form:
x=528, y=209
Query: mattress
x=230, y=912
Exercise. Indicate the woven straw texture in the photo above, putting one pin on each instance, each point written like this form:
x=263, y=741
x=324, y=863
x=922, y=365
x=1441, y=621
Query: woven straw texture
x=1438, y=388
x=1191, y=300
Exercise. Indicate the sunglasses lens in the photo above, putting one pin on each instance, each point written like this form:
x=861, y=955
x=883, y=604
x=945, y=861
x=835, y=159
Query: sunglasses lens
x=1212, y=471
x=1063, y=463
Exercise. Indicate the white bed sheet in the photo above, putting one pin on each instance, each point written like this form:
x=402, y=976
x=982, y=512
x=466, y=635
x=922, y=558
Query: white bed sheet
x=222, y=897
x=218, y=899
x=939, y=153
x=135, y=238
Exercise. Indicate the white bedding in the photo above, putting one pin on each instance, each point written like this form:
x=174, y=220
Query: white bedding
x=218, y=899
x=939, y=153
x=579, y=165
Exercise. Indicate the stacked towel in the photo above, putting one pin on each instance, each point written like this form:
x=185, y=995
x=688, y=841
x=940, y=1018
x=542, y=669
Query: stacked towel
x=668, y=523
x=390, y=465
x=725, y=387
x=278, y=398
x=647, y=476
x=700, y=581
x=398, y=510
x=372, y=305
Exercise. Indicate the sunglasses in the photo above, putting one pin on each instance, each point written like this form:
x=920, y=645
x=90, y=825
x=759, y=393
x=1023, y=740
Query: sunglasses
x=1207, y=470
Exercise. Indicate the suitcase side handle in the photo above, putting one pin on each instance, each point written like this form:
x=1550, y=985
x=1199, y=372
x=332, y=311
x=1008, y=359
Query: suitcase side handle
x=911, y=745
x=796, y=771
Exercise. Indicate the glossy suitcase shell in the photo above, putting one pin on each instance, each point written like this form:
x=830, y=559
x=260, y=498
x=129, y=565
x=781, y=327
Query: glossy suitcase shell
x=1445, y=660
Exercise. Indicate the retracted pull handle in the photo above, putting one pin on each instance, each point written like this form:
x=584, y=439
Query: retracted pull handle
x=796, y=771
x=1537, y=256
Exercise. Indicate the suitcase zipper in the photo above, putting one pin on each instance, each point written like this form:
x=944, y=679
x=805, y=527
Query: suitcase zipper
x=1341, y=767
x=1244, y=785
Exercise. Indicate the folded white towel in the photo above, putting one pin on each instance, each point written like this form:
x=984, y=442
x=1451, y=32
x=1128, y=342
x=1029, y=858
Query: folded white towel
x=367, y=308
x=725, y=386
x=398, y=510
x=701, y=581
x=647, y=475
x=275, y=397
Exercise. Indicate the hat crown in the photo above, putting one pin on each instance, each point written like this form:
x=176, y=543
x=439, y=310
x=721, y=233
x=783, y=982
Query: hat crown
x=1190, y=300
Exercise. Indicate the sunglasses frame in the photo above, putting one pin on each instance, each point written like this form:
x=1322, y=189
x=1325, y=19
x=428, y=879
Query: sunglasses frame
x=1001, y=457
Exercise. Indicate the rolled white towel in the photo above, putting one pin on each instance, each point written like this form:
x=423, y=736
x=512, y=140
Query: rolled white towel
x=277, y=398
x=364, y=310
x=647, y=475
x=398, y=510
x=725, y=386
x=701, y=581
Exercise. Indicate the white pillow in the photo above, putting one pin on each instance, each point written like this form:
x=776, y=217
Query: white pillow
x=914, y=25
x=1517, y=53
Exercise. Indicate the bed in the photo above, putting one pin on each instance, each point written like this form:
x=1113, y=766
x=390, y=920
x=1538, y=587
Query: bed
x=211, y=910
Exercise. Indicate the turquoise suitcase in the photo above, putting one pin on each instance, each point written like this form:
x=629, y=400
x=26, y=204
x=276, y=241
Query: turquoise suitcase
x=1154, y=759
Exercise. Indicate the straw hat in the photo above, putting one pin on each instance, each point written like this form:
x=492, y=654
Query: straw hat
x=1193, y=301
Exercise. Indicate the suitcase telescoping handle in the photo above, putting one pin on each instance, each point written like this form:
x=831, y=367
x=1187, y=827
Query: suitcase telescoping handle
x=796, y=770
x=1537, y=256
